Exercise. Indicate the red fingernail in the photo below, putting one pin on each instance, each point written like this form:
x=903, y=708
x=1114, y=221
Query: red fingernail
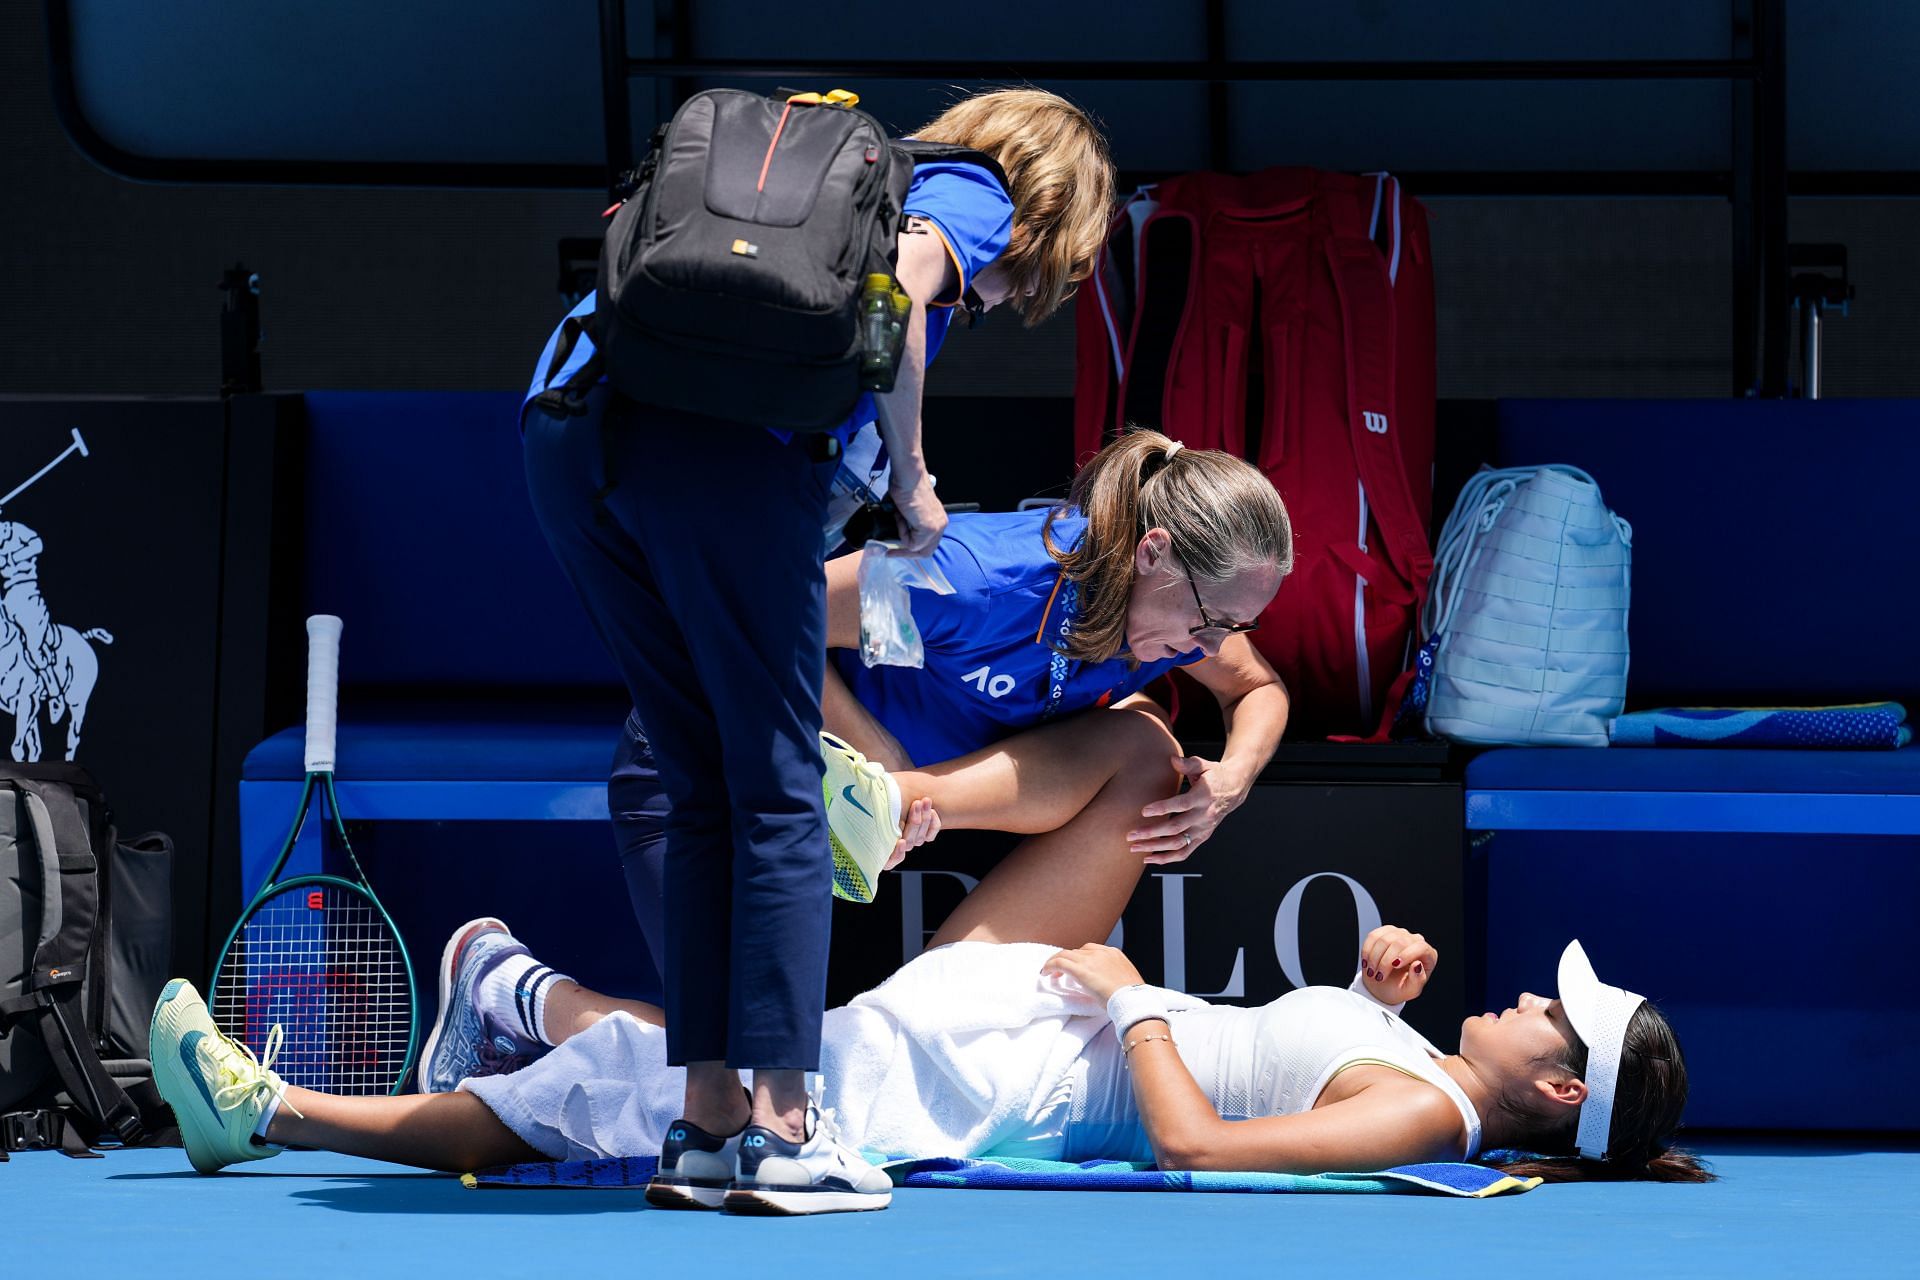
x=1396, y=964
x=1418, y=967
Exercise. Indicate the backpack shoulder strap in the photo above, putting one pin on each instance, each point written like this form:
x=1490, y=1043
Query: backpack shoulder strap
x=948, y=153
x=58, y=1017
x=1362, y=280
x=1107, y=311
x=568, y=398
x=65, y=861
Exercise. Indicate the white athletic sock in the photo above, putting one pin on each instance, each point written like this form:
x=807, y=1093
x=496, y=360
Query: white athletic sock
x=267, y=1113
x=516, y=993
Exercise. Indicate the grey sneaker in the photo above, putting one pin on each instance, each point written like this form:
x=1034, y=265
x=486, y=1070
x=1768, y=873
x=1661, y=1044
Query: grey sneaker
x=696, y=1168
x=468, y=1040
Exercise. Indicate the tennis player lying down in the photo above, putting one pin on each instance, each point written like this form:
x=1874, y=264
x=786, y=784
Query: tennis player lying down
x=1076, y=1058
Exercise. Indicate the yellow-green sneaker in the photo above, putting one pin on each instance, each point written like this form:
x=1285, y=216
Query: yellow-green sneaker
x=863, y=818
x=217, y=1088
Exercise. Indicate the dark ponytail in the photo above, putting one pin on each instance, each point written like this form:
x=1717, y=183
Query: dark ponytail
x=1649, y=1095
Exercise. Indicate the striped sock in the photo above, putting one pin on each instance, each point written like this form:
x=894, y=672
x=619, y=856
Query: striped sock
x=516, y=993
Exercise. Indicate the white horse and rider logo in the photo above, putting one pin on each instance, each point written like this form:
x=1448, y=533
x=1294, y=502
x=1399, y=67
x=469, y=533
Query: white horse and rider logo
x=43, y=666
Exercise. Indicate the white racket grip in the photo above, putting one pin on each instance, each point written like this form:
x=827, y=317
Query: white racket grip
x=323, y=689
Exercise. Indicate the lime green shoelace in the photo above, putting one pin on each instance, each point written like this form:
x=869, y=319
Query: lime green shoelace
x=243, y=1082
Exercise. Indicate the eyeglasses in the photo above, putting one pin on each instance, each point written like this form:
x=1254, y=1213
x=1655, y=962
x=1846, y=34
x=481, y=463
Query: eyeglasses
x=975, y=306
x=1208, y=624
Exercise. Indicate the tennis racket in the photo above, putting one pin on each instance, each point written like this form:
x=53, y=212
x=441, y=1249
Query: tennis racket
x=317, y=955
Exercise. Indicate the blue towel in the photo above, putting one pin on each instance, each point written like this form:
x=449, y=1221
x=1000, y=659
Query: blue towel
x=1470, y=1180
x=591, y=1175
x=1869, y=726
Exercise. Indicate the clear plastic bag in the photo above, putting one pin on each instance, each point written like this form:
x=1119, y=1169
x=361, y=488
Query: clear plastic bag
x=888, y=634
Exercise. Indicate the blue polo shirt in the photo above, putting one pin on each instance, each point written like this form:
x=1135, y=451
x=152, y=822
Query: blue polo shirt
x=992, y=668
x=972, y=216
x=967, y=207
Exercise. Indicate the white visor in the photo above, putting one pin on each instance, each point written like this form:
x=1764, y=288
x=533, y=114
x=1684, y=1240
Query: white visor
x=1599, y=1014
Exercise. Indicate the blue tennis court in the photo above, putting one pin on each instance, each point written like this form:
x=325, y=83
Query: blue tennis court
x=1395, y=652
x=1783, y=1208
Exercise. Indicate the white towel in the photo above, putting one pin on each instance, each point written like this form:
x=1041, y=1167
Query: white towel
x=949, y=1057
x=954, y=1051
x=607, y=1091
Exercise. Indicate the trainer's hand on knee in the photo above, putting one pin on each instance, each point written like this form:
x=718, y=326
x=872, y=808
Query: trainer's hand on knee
x=1175, y=827
x=918, y=826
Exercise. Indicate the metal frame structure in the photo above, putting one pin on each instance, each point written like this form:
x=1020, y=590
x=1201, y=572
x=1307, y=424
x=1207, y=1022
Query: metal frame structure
x=1756, y=184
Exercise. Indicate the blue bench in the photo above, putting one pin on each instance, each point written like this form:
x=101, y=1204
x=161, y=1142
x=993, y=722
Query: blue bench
x=1752, y=893
x=473, y=686
x=1767, y=566
x=1865, y=793
x=1745, y=890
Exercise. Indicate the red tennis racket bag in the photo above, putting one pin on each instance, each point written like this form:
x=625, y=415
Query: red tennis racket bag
x=1287, y=317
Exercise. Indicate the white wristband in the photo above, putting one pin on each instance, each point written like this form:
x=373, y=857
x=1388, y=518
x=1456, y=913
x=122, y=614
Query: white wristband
x=1135, y=1004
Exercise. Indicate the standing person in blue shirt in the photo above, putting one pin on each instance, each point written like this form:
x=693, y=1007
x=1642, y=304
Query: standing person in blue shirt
x=1027, y=715
x=698, y=554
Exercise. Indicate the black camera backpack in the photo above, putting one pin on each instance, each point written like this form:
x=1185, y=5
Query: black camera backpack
x=730, y=277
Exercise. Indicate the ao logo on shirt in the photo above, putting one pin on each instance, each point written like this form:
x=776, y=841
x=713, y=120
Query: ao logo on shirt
x=988, y=683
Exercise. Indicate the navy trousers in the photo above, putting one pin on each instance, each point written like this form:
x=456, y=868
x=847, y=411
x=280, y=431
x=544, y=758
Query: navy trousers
x=696, y=549
x=638, y=804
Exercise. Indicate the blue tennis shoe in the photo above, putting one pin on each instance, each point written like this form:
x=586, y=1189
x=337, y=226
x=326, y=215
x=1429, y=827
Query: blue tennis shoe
x=468, y=1039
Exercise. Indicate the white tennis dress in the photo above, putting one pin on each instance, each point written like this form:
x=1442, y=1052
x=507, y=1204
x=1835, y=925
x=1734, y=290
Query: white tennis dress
x=1274, y=1060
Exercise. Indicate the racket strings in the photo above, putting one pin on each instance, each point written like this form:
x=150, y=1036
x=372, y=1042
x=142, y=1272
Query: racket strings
x=321, y=963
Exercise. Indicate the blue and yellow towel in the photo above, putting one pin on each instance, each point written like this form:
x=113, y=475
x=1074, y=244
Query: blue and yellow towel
x=1867, y=726
x=1471, y=1180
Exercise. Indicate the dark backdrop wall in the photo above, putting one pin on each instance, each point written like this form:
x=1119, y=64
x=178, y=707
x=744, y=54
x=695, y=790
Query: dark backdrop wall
x=108, y=286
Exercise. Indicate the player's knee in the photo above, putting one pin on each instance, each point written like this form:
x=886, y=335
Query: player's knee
x=1146, y=744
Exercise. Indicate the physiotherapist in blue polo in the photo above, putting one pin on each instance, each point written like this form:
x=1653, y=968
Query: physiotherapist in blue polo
x=1028, y=715
x=698, y=555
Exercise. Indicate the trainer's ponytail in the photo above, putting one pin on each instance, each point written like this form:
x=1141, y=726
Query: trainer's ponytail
x=1220, y=512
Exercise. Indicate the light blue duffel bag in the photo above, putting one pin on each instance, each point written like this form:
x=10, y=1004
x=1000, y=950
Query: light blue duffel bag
x=1529, y=602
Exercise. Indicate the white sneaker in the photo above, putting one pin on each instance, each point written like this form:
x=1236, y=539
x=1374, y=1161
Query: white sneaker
x=863, y=818
x=820, y=1175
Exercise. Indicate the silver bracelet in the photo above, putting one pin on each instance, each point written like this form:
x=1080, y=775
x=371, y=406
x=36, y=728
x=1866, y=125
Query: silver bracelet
x=1126, y=1050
